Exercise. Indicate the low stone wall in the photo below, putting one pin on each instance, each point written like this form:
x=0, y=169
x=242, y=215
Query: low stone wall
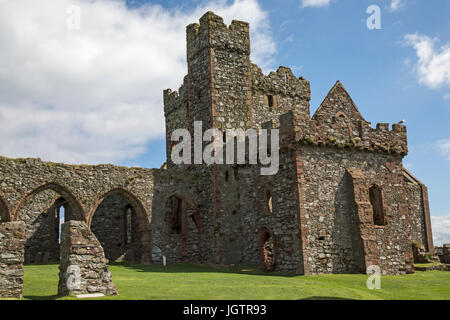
x=83, y=266
x=12, y=240
x=445, y=257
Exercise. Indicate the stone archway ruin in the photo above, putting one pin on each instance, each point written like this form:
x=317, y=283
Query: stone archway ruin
x=143, y=224
x=58, y=188
x=39, y=208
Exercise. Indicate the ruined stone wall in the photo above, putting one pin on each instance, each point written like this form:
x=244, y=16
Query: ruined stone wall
x=12, y=242
x=445, y=256
x=83, y=266
x=192, y=243
x=253, y=206
x=416, y=217
x=83, y=187
x=176, y=112
x=235, y=211
x=288, y=92
x=332, y=217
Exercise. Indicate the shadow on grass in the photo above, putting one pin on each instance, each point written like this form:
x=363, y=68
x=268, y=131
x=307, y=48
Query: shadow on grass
x=50, y=297
x=326, y=298
x=201, y=268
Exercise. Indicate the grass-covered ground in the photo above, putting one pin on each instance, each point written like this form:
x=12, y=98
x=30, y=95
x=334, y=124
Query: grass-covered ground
x=189, y=281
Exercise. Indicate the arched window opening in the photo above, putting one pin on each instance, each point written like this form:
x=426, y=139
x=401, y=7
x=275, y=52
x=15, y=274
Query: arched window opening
x=376, y=199
x=60, y=214
x=269, y=202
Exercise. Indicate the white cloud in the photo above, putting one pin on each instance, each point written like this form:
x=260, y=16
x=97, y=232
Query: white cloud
x=94, y=95
x=315, y=3
x=397, y=4
x=444, y=147
x=433, y=66
x=440, y=229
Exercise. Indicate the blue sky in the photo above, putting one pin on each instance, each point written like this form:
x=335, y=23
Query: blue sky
x=94, y=94
x=325, y=44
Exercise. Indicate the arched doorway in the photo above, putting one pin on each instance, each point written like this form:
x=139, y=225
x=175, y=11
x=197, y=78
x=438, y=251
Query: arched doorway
x=267, y=250
x=120, y=223
x=43, y=210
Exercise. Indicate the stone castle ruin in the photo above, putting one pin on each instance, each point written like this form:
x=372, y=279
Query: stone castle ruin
x=340, y=202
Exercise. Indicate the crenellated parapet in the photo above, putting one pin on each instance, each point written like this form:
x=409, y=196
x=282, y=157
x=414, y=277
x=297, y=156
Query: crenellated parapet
x=280, y=82
x=173, y=100
x=380, y=140
x=212, y=32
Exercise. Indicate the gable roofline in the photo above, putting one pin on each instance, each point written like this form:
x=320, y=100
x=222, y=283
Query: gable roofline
x=337, y=86
x=412, y=178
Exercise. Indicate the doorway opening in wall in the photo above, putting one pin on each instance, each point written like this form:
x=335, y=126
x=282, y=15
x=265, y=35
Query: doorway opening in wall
x=116, y=226
x=267, y=247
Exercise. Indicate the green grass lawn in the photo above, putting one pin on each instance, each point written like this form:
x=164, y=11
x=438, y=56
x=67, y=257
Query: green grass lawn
x=190, y=281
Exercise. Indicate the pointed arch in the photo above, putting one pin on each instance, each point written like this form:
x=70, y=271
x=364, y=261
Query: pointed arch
x=58, y=188
x=130, y=197
x=141, y=213
x=4, y=209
